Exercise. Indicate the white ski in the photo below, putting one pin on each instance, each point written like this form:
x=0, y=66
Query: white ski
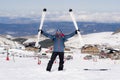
x=76, y=27
x=40, y=28
x=96, y=69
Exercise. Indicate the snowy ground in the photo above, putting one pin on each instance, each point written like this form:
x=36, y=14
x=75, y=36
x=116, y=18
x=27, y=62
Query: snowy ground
x=28, y=69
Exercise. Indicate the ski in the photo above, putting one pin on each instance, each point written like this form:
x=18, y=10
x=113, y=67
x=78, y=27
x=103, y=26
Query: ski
x=40, y=28
x=96, y=69
x=76, y=26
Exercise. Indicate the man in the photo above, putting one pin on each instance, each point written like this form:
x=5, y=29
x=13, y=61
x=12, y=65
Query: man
x=58, y=39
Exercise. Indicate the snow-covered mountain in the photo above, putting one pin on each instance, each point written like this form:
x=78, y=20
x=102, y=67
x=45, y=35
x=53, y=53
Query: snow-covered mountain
x=102, y=38
x=4, y=41
x=28, y=29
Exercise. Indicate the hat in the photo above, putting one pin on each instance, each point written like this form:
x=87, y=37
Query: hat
x=59, y=32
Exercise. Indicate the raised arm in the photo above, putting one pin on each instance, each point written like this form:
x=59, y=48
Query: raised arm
x=47, y=35
x=70, y=35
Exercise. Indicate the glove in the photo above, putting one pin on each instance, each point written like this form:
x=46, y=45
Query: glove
x=76, y=31
x=40, y=30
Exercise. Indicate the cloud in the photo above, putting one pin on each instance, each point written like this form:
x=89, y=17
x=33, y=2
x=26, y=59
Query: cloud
x=64, y=16
x=86, y=17
x=11, y=33
x=99, y=17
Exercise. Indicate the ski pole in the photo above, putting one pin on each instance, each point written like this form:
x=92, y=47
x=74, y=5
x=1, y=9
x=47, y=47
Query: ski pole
x=76, y=26
x=40, y=28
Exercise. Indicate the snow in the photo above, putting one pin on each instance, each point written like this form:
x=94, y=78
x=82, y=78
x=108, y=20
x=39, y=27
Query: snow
x=4, y=42
x=101, y=38
x=27, y=68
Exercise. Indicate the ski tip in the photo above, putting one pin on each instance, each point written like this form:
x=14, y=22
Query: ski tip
x=45, y=9
x=70, y=10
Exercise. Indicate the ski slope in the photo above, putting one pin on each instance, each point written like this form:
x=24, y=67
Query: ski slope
x=28, y=69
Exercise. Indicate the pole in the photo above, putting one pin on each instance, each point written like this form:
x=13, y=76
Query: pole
x=76, y=27
x=40, y=28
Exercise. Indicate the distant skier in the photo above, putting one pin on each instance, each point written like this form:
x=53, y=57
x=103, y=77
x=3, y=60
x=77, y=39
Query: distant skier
x=58, y=39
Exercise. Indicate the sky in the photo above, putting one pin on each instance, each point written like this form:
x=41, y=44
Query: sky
x=59, y=5
x=34, y=7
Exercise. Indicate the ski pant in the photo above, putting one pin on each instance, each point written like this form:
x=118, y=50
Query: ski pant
x=53, y=57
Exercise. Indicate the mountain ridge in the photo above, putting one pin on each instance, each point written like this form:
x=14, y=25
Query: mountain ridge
x=67, y=27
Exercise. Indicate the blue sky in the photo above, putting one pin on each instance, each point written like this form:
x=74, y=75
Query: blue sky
x=60, y=5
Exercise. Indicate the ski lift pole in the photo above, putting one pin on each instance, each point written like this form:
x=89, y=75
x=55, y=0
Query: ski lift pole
x=40, y=28
x=76, y=26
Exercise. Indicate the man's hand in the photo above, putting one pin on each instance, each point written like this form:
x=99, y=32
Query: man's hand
x=40, y=30
x=76, y=31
